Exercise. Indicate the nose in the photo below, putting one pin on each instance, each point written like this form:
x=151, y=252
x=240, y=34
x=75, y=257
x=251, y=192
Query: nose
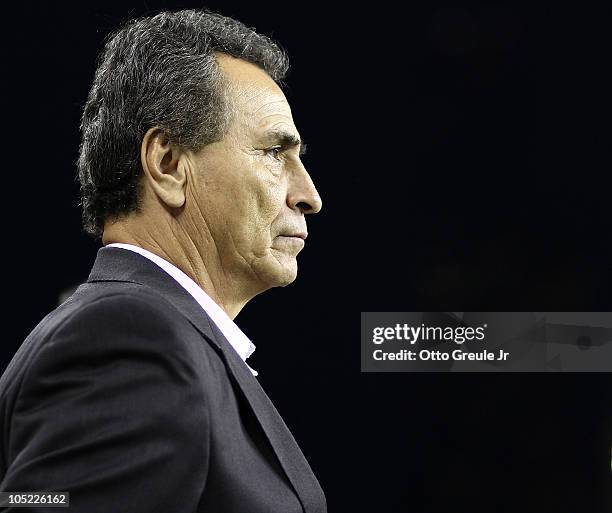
x=302, y=193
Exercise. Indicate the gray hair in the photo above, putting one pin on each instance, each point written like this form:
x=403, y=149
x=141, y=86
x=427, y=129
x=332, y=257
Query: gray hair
x=158, y=71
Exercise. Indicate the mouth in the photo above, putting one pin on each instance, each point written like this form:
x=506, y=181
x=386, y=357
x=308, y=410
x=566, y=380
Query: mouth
x=290, y=241
x=297, y=235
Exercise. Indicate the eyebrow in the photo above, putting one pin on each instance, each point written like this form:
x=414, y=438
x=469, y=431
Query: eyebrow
x=286, y=140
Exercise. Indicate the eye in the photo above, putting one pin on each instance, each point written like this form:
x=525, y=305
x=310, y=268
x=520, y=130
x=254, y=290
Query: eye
x=274, y=152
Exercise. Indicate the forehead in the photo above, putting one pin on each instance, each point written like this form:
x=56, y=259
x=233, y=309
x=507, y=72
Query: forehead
x=254, y=95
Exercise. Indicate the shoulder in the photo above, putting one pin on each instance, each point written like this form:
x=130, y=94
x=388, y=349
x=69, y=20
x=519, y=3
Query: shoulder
x=93, y=302
x=115, y=366
x=120, y=317
x=114, y=339
x=99, y=325
x=112, y=306
x=127, y=307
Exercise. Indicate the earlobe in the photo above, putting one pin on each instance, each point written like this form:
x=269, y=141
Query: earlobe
x=164, y=168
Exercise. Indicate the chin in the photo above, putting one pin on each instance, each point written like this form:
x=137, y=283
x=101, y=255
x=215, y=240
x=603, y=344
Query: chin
x=279, y=272
x=286, y=274
x=287, y=279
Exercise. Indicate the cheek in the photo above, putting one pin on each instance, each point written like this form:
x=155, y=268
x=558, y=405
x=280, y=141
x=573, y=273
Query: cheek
x=268, y=201
x=248, y=216
x=248, y=201
x=271, y=206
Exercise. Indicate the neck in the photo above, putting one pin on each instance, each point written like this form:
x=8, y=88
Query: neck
x=203, y=267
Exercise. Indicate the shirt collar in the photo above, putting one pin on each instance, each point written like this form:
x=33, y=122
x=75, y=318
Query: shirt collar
x=234, y=335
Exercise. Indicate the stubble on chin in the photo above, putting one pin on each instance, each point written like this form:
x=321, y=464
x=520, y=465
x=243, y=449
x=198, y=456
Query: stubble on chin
x=277, y=269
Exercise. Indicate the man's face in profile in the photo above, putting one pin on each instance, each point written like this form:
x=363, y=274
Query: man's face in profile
x=250, y=189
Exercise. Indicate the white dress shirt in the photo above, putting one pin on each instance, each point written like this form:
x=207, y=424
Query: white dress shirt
x=238, y=340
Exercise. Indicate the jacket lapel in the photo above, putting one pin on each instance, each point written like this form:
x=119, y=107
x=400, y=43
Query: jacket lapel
x=286, y=448
x=115, y=264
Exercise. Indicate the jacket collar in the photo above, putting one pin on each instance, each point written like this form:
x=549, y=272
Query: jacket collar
x=115, y=264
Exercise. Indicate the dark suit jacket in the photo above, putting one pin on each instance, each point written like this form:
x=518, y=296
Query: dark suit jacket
x=131, y=399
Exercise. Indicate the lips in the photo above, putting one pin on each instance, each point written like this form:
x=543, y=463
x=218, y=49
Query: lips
x=293, y=241
x=299, y=235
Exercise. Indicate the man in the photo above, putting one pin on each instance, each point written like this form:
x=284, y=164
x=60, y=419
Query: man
x=135, y=395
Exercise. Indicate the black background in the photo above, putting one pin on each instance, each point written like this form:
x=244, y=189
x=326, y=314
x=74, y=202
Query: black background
x=462, y=154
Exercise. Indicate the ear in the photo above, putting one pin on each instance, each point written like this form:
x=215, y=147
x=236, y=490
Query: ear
x=164, y=168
